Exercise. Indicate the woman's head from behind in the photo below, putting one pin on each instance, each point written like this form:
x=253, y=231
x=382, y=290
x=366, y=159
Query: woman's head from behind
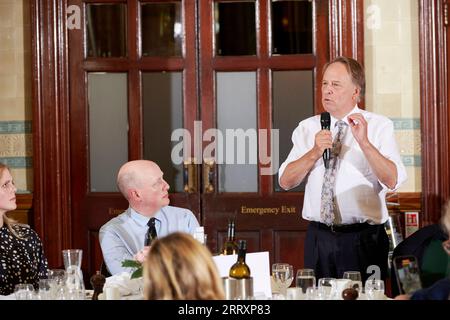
x=7, y=190
x=178, y=267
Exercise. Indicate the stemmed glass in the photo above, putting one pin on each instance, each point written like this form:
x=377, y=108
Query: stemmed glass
x=355, y=277
x=282, y=275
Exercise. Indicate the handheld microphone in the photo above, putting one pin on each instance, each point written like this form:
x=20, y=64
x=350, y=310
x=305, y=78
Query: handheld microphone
x=325, y=121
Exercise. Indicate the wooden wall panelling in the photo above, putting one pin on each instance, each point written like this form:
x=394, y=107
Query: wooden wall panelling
x=95, y=258
x=52, y=216
x=434, y=109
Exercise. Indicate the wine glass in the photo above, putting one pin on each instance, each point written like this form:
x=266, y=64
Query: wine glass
x=282, y=275
x=305, y=278
x=374, y=289
x=355, y=277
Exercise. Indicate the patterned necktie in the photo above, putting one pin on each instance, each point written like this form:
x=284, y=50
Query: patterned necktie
x=327, y=201
x=151, y=233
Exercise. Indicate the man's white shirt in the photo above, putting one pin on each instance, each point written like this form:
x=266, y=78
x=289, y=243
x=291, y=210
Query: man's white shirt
x=360, y=196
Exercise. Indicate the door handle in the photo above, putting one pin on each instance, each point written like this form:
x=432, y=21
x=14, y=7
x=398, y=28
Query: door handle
x=208, y=175
x=190, y=176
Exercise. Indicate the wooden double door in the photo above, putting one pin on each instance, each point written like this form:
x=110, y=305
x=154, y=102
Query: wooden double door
x=210, y=90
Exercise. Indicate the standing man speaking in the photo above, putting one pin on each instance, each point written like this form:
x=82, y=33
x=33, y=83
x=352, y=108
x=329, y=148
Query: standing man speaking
x=344, y=200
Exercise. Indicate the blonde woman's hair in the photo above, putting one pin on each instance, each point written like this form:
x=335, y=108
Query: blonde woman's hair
x=178, y=267
x=445, y=220
x=8, y=221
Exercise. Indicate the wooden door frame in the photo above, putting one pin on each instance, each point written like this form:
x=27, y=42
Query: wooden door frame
x=434, y=109
x=51, y=145
x=51, y=137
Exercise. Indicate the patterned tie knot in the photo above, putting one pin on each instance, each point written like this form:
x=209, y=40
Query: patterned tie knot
x=340, y=124
x=151, y=222
x=337, y=140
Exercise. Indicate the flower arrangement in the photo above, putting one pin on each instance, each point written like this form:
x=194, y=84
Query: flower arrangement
x=137, y=273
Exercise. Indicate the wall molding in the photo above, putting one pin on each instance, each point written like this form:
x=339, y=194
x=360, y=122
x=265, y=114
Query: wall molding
x=434, y=109
x=51, y=171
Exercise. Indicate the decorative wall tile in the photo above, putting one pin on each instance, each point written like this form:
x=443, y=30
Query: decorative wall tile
x=16, y=145
x=409, y=141
x=412, y=160
x=17, y=162
x=10, y=127
x=23, y=178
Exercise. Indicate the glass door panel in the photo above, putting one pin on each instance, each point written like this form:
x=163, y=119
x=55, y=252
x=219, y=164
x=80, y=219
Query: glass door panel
x=231, y=19
x=293, y=102
x=236, y=123
x=161, y=29
x=106, y=30
x=292, y=22
x=108, y=128
x=162, y=105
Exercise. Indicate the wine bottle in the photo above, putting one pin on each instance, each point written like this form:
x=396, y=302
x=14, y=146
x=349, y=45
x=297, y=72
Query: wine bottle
x=230, y=245
x=240, y=269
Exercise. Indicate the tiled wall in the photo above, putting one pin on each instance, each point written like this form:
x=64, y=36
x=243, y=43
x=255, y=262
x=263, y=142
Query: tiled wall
x=392, y=72
x=15, y=91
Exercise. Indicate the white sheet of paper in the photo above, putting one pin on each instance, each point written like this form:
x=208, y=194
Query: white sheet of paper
x=259, y=265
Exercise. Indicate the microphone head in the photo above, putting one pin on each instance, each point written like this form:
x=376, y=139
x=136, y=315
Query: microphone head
x=325, y=120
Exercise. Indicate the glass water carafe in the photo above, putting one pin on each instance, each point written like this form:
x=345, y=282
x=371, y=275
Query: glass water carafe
x=74, y=287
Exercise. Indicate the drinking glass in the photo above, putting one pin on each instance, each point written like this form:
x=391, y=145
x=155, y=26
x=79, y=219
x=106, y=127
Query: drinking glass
x=282, y=275
x=311, y=293
x=58, y=279
x=355, y=277
x=294, y=293
x=305, y=279
x=374, y=289
x=339, y=285
x=24, y=291
x=325, y=286
x=72, y=257
x=47, y=289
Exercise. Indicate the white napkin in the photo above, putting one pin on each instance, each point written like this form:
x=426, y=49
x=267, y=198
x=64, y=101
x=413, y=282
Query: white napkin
x=125, y=284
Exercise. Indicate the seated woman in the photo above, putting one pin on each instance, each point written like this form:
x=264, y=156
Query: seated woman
x=178, y=267
x=22, y=257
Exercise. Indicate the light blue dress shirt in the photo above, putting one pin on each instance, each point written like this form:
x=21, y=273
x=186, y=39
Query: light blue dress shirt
x=123, y=236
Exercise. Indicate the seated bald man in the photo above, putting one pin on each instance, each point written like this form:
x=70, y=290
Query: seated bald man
x=126, y=237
